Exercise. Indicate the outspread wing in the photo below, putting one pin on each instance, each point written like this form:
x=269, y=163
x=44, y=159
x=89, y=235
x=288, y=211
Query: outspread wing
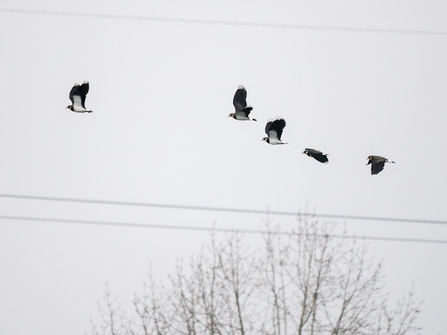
x=376, y=167
x=240, y=99
x=74, y=91
x=318, y=155
x=83, y=90
x=274, y=128
x=268, y=126
x=321, y=158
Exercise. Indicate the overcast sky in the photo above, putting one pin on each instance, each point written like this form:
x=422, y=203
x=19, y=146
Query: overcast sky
x=161, y=93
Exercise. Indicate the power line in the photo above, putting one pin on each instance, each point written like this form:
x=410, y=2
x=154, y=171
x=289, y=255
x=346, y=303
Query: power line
x=225, y=23
x=220, y=209
x=214, y=229
x=217, y=209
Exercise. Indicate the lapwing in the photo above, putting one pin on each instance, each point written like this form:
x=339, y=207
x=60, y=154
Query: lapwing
x=242, y=111
x=377, y=163
x=318, y=155
x=77, y=96
x=274, y=129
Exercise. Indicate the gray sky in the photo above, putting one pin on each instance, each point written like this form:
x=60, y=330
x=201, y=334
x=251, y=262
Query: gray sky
x=162, y=92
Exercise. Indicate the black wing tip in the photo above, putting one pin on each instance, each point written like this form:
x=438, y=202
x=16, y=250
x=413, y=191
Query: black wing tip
x=317, y=155
x=277, y=119
x=322, y=158
x=280, y=122
x=275, y=123
x=241, y=91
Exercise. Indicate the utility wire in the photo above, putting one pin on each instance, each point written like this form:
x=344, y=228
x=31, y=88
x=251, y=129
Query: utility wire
x=224, y=22
x=214, y=229
x=220, y=209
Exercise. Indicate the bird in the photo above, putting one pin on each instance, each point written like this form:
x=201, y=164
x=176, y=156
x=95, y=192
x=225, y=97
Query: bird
x=242, y=111
x=77, y=96
x=274, y=129
x=318, y=155
x=377, y=163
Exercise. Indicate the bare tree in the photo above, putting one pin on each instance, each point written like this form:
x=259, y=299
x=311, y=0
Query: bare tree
x=316, y=284
x=300, y=282
x=113, y=318
x=215, y=297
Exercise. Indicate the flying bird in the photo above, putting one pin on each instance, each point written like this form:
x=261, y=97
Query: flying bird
x=318, y=155
x=377, y=163
x=274, y=129
x=77, y=96
x=242, y=111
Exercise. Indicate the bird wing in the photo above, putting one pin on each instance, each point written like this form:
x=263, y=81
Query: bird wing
x=74, y=91
x=321, y=158
x=240, y=99
x=318, y=155
x=376, y=167
x=268, y=126
x=82, y=91
x=275, y=128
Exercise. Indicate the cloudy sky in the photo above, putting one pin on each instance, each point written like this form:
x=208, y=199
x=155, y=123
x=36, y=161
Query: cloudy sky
x=161, y=92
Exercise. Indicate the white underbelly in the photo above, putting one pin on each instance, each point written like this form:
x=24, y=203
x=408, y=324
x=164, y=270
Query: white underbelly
x=275, y=141
x=79, y=109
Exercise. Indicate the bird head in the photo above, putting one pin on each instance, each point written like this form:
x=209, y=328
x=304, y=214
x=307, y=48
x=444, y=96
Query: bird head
x=305, y=152
x=266, y=139
x=232, y=115
x=70, y=107
x=369, y=160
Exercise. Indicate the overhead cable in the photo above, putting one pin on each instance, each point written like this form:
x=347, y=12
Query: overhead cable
x=215, y=229
x=223, y=209
x=225, y=22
